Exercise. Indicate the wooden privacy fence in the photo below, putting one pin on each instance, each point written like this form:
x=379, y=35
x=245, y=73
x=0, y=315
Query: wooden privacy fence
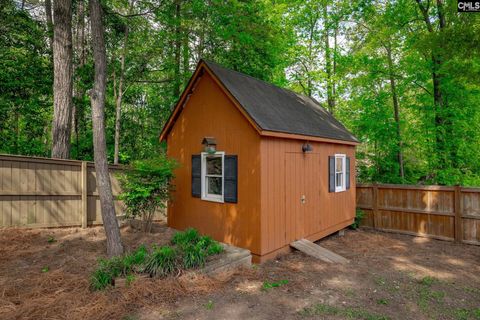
x=42, y=192
x=447, y=213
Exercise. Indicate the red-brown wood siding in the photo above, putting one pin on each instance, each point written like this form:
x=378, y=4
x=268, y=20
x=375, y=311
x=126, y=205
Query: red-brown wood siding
x=209, y=112
x=287, y=173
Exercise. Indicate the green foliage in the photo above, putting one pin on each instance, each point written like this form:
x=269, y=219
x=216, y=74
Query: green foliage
x=189, y=250
x=209, y=305
x=187, y=237
x=195, y=248
x=359, y=215
x=109, y=269
x=51, y=239
x=45, y=269
x=161, y=262
x=344, y=313
x=146, y=187
x=269, y=285
x=371, y=44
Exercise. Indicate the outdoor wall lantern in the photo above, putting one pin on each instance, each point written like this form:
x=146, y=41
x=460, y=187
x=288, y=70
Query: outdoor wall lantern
x=306, y=147
x=209, y=145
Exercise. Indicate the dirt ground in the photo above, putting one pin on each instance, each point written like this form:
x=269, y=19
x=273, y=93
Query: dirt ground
x=389, y=277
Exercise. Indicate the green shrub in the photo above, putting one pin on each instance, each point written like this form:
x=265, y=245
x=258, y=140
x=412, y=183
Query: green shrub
x=189, y=236
x=359, y=215
x=161, y=262
x=146, y=187
x=189, y=250
x=193, y=255
x=134, y=260
x=195, y=248
x=106, y=272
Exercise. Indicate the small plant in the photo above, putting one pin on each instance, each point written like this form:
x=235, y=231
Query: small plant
x=209, y=305
x=146, y=187
x=45, y=269
x=195, y=248
x=269, y=285
x=382, y=301
x=359, y=215
x=189, y=236
x=129, y=279
x=134, y=260
x=51, y=239
x=161, y=262
x=427, y=281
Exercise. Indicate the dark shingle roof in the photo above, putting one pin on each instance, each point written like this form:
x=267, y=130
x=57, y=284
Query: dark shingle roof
x=276, y=109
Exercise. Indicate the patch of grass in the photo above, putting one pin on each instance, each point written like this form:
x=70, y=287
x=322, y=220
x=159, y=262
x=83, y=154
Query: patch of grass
x=51, y=239
x=428, y=281
x=45, y=269
x=162, y=261
x=189, y=236
x=466, y=314
x=382, y=301
x=209, y=305
x=129, y=279
x=381, y=281
x=270, y=285
x=348, y=312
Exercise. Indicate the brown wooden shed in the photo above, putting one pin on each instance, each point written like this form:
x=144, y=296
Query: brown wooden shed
x=260, y=166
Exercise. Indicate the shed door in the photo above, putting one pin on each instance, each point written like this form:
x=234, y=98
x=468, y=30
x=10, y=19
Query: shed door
x=302, y=195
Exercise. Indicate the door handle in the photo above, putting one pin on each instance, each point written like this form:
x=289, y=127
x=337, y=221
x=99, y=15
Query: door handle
x=302, y=199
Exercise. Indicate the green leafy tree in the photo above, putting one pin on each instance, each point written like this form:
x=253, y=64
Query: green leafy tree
x=146, y=186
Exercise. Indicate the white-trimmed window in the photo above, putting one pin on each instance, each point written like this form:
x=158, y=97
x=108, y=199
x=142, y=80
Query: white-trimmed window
x=213, y=176
x=340, y=165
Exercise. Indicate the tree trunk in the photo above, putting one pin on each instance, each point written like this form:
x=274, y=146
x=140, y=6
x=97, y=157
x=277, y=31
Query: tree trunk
x=328, y=61
x=78, y=91
x=48, y=14
x=393, y=89
x=119, y=96
x=178, y=44
x=438, y=98
x=112, y=232
x=62, y=79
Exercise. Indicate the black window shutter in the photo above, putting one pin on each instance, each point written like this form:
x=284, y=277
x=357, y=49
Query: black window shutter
x=196, y=176
x=230, y=179
x=331, y=174
x=347, y=173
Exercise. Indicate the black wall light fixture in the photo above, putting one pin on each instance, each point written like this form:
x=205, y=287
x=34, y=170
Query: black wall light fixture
x=306, y=147
x=209, y=145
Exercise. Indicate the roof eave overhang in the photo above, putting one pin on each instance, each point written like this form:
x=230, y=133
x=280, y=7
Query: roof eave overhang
x=285, y=135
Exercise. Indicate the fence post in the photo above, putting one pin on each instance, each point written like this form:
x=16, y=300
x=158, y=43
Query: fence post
x=84, y=194
x=458, y=214
x=375, y=203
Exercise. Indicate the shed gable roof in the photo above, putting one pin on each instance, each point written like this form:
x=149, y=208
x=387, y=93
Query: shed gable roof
x=274, y=109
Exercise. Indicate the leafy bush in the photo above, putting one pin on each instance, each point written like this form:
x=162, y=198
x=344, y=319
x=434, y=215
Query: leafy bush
x=195, y=248
x=146, y=186
x=161, y=262
x=109, y=269
x=189, y=250
x=106, y=272
x=189, y=236
x=358, y=219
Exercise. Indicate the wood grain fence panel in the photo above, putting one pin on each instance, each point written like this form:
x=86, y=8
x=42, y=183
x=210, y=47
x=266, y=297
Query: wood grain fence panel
x=429, y=211
x=42, y=192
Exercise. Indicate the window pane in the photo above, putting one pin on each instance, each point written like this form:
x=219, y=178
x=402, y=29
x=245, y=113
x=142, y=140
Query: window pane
x=214, y=185
x=214, y=165
x=338, y=180
x=339, y=164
